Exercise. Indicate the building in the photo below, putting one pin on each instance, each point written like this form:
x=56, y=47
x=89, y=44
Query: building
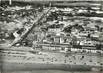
x=94, y=3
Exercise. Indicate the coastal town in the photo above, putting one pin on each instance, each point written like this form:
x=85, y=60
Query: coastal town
x=52, y=34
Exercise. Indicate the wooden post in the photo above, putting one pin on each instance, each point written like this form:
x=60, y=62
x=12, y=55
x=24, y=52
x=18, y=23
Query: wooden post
x=10, y=2
x=101, y=7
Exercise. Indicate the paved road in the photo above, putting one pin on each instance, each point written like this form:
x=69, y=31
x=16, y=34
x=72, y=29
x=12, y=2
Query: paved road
x=47, y=71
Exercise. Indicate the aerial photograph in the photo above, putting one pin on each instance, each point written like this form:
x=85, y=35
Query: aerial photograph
x=51, y=36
